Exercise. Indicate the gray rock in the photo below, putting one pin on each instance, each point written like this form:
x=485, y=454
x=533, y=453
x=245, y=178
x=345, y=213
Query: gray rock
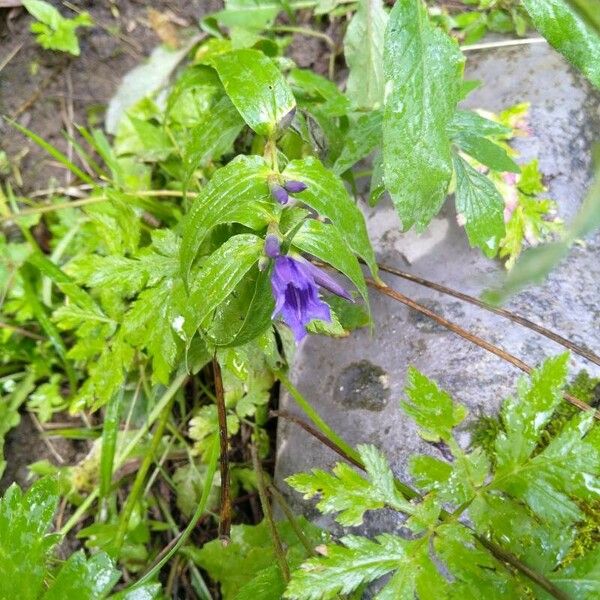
x=356, y=383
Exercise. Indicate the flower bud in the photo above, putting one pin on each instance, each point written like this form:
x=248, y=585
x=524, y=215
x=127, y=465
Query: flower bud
x=279, y=193
x=294, y=187
x=272, y=246
x=287, y=119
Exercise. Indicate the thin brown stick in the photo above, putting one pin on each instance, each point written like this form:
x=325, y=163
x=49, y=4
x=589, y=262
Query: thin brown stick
x=474, y=339
x=264, y=500
x=27, y=104
x=225, y=510
x=288, y=416
x=20, y=330
x=514, y=562
x=507, y=314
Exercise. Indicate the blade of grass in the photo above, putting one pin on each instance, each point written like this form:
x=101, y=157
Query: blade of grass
x=110, y=431
x=52, y=151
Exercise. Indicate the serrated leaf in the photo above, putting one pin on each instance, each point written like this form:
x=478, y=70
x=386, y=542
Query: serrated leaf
x=345, y=568
x=523, y=417
x=348, y=493
x=237, y=193
x=363, y=51
x=246, y=313
x=566, y=27
x=326, y=243
x=423, y=71
x=467, y=120
x=327, y=195
x=256, y=87
x=432, y=409
x=480, y=207
x=84, y=578
x=212, y=136
x=252, y=547
x=581, y=578
x=486, y=152
x=218, y=276
x=25, y=519
x=364, y=135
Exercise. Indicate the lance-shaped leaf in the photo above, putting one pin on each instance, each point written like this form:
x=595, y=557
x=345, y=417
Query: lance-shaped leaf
x=363, y=50
x=423, y=70
x=326, y=193
x=237, y=193
x=218, y=276
x=480, y=206
x=326, y=243
x=570, y=29
x=256, y=87
x=364, y=135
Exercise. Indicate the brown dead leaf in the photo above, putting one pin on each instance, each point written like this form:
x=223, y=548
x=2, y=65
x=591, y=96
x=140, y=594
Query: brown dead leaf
x=164, y=26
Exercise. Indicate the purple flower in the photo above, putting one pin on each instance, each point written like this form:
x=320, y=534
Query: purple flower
x=294, y=187
x=295, y=288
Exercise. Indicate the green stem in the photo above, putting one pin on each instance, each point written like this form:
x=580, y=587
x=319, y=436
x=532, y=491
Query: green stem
x=289, y=514
x=138, y=484
x=200, y=509
x=135, y=440
x=313, y=415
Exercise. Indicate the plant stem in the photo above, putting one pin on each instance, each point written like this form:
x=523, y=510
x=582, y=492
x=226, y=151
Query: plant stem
x=200, y=509
x=289, y=514
x=284, y=414
x=517, y=362
x=138, y=484
x=225, y=511
x=555, y=337
x=503, y=44
x=266, y=507
x=313, y=415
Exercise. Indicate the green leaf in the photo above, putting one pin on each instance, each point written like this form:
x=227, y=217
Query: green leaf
x=110, y=430
x=85, y=579
x=581, y=578
x=218, y=276
x=486, y=152
x=256, y=87
x=432, y=409
x=252, y=547
x=150, y=591
x=525, y=416
x=345, y=568
x=326, y=243
x=319, y=89
x=348, y=493
x=364, y=135
x=480, y=206
x=25, y=519
x=249, y=14
x=212, y=136
x=54, y=31
x=423, y=71
x=363, y=51
x=567, y=29
x=246, y=313
x=475, y=124
x=327, y=195
x=237, y=193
